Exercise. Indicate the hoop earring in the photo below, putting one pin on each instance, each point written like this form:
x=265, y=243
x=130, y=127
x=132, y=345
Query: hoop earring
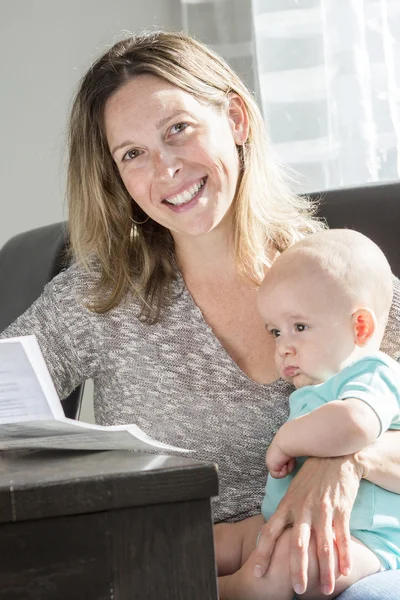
x=140, y=222
x=241, y=150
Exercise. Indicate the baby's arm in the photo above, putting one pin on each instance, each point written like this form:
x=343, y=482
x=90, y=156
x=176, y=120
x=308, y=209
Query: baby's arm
x=334, y=429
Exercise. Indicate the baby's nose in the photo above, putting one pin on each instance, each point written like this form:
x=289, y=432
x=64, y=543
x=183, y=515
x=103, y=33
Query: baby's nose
x=286, y=347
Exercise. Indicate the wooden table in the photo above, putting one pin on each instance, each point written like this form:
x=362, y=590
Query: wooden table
x=105, y=526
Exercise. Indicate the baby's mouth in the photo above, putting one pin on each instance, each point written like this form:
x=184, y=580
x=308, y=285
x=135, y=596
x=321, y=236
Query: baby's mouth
x=291, y=371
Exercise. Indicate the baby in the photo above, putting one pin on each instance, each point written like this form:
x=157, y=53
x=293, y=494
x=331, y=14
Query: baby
x=326, y=302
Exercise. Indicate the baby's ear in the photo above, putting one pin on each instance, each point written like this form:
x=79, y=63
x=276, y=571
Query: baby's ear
x=364, y=325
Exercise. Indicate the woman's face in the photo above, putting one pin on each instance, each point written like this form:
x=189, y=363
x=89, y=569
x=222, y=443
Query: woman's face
x=177, y=157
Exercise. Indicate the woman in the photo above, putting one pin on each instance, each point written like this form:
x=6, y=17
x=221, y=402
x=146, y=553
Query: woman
x=176, y=212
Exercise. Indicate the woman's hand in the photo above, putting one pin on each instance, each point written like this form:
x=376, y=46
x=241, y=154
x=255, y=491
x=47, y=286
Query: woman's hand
x=319, y=500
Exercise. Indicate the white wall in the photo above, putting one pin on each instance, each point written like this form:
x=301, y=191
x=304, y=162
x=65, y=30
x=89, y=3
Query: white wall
x=45, y=47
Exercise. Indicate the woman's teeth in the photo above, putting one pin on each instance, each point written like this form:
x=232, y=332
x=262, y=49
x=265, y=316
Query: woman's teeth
x=187, y=195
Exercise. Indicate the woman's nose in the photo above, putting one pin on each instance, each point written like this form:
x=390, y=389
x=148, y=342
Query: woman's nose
x=167, y=164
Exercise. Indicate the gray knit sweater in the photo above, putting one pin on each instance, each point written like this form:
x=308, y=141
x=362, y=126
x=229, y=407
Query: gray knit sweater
x=173, y=379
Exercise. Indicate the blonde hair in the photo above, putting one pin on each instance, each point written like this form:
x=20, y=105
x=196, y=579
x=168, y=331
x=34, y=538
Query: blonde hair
x=266, y=212
x=348, y=260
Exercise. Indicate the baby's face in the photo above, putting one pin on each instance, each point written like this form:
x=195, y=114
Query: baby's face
x=312, y=327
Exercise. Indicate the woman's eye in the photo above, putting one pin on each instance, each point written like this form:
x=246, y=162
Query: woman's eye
x=131, y=154
x=300, y=327
x=178, y=128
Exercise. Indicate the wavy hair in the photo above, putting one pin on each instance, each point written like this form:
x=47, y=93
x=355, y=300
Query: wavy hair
x=141, y=258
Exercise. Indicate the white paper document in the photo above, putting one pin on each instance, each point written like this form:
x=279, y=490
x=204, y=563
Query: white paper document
x=31, y=415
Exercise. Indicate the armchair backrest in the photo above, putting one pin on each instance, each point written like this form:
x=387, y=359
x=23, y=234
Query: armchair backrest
x=27, y=262
x=373, y=210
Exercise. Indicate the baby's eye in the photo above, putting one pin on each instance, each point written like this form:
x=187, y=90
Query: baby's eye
x=131, y=154
x=274, y=332
x=179, y=127
x=300, y=327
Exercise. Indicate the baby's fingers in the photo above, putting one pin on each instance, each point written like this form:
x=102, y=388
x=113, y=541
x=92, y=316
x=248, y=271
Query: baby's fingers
x=291, y=465
x=279, y=474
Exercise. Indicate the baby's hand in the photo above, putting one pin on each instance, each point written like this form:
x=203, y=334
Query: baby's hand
x=279, y=464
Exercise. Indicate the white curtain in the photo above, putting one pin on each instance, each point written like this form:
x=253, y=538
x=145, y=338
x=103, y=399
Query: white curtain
x=227, y=26
x=327, y=73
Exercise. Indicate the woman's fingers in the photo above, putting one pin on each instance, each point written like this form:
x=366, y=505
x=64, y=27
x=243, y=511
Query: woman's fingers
x=269, y=533
x=325, y=551
x=324, y=547
x=300, y=541
x=343, y=542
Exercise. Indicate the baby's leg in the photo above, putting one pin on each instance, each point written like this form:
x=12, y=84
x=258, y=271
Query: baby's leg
x=234, y=542
x=364, y=563
x=274, y=585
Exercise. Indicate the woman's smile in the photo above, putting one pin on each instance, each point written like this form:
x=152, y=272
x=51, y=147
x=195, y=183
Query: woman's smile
x=186, y=199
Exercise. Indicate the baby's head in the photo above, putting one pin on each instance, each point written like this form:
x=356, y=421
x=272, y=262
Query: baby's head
x=326, y=300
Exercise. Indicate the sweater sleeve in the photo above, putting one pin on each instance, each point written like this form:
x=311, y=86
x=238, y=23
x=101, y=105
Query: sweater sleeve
x=68, y=333
x=391, y=340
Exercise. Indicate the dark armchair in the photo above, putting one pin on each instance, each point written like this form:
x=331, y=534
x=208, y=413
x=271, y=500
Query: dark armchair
x=27, y=262
x=373, y=210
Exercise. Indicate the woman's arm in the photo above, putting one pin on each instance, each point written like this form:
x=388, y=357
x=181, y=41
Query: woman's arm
x=70, y=336
x=380, y=462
